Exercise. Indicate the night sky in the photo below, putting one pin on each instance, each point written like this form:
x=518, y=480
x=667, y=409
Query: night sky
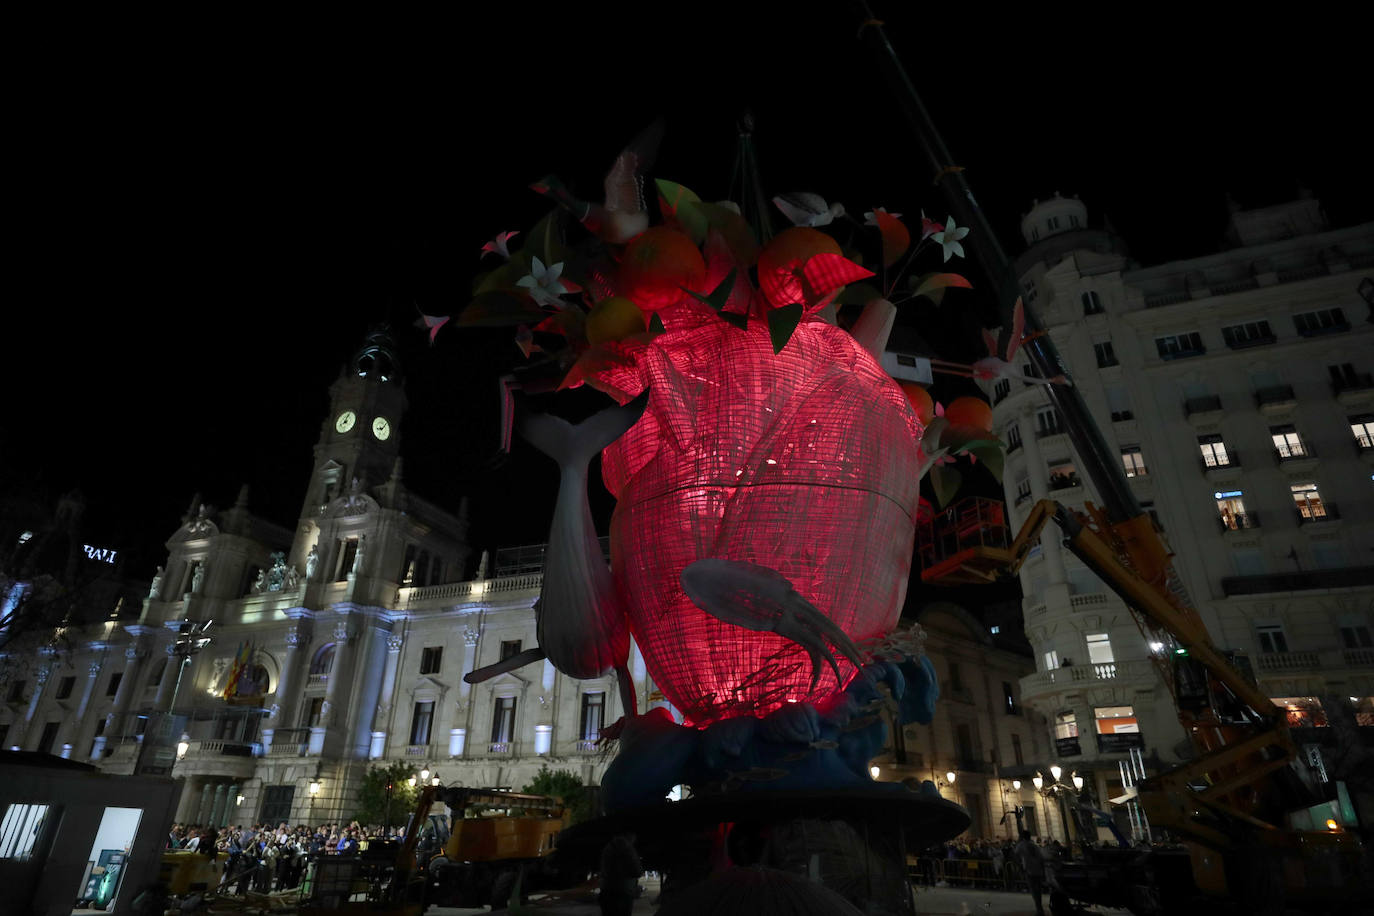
x=203, y=236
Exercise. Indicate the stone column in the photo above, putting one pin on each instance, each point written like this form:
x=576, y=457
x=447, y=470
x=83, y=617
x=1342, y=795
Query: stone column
x=217, y=811
x=340, y=680
x=289, y=684
x=77, y=729
x=32, y=734
x=381, y=720
x=203, y=810
x=167, y=685
x=231, y=808
x=117, y=724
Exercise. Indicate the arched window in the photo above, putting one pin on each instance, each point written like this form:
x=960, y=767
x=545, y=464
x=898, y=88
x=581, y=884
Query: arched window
x=323, y=662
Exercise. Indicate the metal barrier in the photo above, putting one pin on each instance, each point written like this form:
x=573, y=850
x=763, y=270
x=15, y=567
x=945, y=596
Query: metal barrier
x=979, y=873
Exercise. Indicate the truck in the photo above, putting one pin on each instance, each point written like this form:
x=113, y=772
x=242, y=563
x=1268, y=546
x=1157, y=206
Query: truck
x=492, y=839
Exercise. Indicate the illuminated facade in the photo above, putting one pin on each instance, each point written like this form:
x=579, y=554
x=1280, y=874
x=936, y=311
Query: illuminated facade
x=1237, y=390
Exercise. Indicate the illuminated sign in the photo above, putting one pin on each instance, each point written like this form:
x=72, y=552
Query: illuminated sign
x=104, y=554
x=1227, y=494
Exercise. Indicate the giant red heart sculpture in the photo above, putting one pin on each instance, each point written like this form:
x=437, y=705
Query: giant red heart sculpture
x=804, y=461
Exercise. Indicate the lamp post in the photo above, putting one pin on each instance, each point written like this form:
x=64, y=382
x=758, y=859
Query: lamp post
x=1058, y=790
x=155, y=757
x=314, y=789
x=1016, y=807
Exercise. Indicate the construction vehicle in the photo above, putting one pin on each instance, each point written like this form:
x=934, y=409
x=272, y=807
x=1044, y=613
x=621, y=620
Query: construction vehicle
x=1232, y=805
x=491, y=839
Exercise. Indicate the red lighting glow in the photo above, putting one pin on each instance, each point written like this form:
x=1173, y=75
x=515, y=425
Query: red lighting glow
x=803, y=461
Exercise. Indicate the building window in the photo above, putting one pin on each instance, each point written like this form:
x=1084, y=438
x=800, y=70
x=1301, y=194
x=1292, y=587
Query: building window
x=1051, y=660
x=1023, y=490
x=593, y=714
x=1362, y=428
x=1119, y=404
x=421, y=718
x=1271, y=638
x=1016, y=753
x=314, y=712
x=1063, y=475
x=1149, y=506
x=1214, y=454
x=1047, y=423
x=1247, y=334
x=64, y=687
x=1001, y=390
x=509, y=648
x=323, y=662
x=16, y=693
x=1321, y=321
x=1065, y=724
x=348, y=553
x=1100, y=649
x=1308, y=500
x=21, y=830
x=1231, y=509
x=1013, y=437
x=158, y=672
x=1053, y=223
x=430, y=659
x=1092, y=305
x=1345, y=378
x=1106, y=356
x=1286, y=442
x=994, y=629
x=1116, y=720
x=1356, y=636
x=112, y=688
x=1133, y=462
x=1302, y=712
x=503, y=721
x=1180, y=346
x=956, y=680
x=1009, y=699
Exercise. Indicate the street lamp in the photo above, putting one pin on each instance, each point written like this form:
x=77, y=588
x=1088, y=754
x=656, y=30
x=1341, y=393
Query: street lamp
x=950, y=776
x=411, y=782
x=424, y=774
x=183, y=746
x=1058, y=790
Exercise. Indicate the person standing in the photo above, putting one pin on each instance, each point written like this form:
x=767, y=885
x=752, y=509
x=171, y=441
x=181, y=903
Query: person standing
x=1033, y=865
x=620, y=871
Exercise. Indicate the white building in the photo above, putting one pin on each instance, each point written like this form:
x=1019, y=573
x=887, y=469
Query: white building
x=1238, y=389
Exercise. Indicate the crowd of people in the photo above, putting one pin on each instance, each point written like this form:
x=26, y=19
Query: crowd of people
x=264, y=858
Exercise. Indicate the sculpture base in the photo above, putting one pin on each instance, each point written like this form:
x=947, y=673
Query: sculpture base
x=853, y=841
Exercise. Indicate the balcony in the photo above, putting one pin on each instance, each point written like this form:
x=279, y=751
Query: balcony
x=1349, y=577
x=1275, y=398
x=290, y=742
x=1248, y=342
x=586, y=746
x=1295, y=457
x=1277, y=662
x=1240, y=522
x=1220, y=467
x=418, y=750
x=1203, y=410
x=1064, y=481
x=1354, y=389
x=1316, y=514
x=501, y=748
x=1317, y=330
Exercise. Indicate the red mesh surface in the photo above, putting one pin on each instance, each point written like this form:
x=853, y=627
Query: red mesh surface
x=804, y=462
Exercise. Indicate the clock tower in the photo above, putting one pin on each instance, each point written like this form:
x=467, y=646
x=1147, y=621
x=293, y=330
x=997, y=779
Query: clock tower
x=360, y=438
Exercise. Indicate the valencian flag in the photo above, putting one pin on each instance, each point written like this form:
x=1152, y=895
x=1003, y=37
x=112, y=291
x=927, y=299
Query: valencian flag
x=239, y=673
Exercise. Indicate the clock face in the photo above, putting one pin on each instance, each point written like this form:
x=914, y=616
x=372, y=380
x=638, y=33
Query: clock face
x=345, y=421
x=381, y=428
